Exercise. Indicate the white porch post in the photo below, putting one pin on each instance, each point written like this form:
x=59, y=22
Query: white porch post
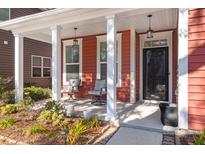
x=132, y=66
x=183, y=68
x=56, y=62
x=18, y=67
x=111, y=68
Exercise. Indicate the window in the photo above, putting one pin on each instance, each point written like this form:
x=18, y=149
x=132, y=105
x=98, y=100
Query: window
x=41, y=66
x=102, y=59
x=72, y=60
x=156, y=43
x=4, y=14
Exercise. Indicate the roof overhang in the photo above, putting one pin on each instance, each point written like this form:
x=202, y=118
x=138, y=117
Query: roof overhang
x=55, y=17
x=90, y=21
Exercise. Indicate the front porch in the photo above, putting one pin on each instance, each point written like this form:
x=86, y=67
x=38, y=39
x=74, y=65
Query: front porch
x=144, y=116
x=124, y=74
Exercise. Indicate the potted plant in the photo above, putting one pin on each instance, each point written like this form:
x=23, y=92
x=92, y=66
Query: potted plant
x=169, y=114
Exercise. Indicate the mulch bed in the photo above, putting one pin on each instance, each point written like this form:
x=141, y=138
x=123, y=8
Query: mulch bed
x=186, y=139
x=27, y=118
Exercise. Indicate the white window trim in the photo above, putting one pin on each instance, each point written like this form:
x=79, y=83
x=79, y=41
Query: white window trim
x=156, y=36
x=103, y=38
x=68, y=43
x=41, y=67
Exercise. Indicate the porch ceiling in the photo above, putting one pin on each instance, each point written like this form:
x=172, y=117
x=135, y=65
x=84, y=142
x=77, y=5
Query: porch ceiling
x=89, y=21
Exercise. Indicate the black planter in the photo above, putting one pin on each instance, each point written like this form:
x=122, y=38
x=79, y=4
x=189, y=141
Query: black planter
x=169, y=114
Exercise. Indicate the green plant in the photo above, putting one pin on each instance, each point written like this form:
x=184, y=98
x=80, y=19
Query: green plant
x=34, y=129
x=54, y=106
x=26, y=102
x=200, y=139
x=75, y=131
x=45, y=115
x=6, y=83
x=9, y=108
x=93, y=123
x=6, y=123
x=37, y=93
x=51, y=134
x=56, y=119
x=8, y=96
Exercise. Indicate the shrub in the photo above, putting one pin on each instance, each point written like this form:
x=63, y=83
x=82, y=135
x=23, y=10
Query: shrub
x=45, y=115
x=56, y=119
x=8, y=109
x=6, y=123
x=37, y=93
x=54, y=106
x=75, y=131
x=200, y=139
x=8, y=96
x=6, y=83
x=34, y=129
x=26, y=102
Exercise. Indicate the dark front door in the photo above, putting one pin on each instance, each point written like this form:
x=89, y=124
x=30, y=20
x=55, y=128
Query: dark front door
x=155, y=74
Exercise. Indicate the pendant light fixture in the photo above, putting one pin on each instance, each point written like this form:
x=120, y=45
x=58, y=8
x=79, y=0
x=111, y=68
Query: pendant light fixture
x=75, y=41
x=150, y=31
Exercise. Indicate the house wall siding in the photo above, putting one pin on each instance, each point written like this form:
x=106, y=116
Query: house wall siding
x=89, y=64
x=31, y=47
x=6, y=53
x=196, y=69
x=19, y=12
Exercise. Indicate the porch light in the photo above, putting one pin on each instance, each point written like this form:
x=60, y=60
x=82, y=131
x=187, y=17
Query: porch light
x=150, y=31
x=75, y=41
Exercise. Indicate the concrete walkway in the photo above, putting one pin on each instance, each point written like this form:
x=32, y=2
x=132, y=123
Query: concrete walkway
x=133, y=136
x=140, y=125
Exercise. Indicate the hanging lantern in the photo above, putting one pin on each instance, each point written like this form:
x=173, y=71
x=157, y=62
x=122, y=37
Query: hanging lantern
x=75, y=41
x=149, y=31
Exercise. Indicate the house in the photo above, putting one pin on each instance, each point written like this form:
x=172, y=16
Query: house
x=146, y=55
x=34, y=50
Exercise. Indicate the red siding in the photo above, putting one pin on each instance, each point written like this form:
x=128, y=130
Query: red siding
x=89, y=58
x=89, y=63
x=196, y=69
x=123, y=93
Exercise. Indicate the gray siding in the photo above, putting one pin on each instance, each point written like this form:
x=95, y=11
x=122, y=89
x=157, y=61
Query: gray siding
x=31, y=47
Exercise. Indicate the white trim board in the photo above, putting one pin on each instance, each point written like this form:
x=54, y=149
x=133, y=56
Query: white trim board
x=183, y=68
x=157, y=36
x=68, y=43
x=132, y=66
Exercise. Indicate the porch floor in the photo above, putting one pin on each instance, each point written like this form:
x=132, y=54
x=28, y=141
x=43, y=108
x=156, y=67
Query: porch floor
x=145, y=116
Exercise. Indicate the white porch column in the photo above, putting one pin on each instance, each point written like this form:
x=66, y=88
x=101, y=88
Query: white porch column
x=18, y=67
x=183, y=68
x=111, y=68
x=132, y=66
x=56, y=62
